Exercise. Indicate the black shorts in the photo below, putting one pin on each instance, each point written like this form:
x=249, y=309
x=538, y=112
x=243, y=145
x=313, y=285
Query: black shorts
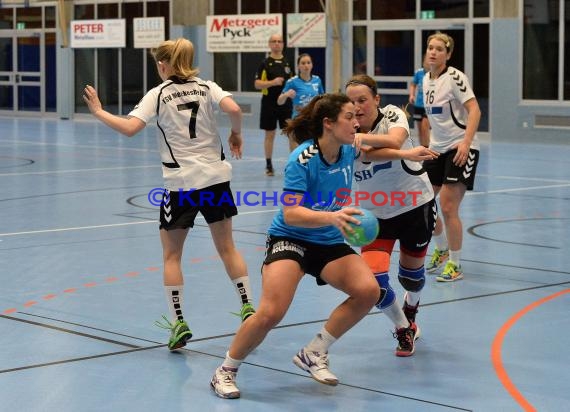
x=272, y=113
x=443, y=171
x=413, y=229
x=419, y=113
x=179, y=209
x=310, y=256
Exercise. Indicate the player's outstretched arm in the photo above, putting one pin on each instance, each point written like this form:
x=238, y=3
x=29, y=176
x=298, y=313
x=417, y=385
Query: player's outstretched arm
x=129, y=126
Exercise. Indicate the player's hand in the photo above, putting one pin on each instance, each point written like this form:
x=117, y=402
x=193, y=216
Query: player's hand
x=341, y=219
x=358, y=137
x=278, y=81
x=460, y=157
x=235, y=142
x=90, y=97
x=419, y=154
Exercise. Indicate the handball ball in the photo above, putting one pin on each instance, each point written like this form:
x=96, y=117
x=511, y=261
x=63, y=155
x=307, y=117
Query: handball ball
x=366, y=232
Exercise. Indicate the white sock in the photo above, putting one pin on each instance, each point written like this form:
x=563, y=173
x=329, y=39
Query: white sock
x=440, y=240
x=455, y=256
x=412, y=298
x=321, y=342
x=174, y=295
x=243, y=289
x=396, y=315
x=230, y=362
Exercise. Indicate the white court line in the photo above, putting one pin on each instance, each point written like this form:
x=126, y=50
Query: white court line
x=33, y=232
x=520, y=189
x=529, y=179
x=69, y=229
x=80, y=146
x=102, y=169
x=98, y=169
x=142, y=222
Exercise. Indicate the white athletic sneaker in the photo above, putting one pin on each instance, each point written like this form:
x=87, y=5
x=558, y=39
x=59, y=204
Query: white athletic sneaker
x=317, y=365
x=224, y=383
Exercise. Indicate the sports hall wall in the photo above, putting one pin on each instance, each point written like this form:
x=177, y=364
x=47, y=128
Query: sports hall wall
x=510, y=117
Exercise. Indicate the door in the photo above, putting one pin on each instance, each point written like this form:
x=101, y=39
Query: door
x=22, y=86
x=398, y=51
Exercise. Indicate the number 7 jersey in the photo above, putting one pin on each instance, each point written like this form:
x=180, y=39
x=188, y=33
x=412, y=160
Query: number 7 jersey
x=190, y=147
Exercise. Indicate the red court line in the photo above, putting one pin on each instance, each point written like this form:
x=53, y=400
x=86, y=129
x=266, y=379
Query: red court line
x=498, y=343
x=111, y=279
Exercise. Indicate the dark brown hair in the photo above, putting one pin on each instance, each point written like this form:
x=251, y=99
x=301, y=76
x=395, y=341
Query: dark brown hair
x=308, y=124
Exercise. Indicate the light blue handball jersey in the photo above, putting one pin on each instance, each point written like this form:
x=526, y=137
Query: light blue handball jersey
x=305, y=91
x=418, y=81
x=324, y=186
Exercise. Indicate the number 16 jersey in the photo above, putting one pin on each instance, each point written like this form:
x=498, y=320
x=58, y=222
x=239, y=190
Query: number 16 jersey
x=443, y=100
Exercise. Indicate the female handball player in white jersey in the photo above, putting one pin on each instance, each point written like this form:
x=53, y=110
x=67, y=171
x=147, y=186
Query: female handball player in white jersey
x=453, y=114
x=400, y=195
x=196, y=174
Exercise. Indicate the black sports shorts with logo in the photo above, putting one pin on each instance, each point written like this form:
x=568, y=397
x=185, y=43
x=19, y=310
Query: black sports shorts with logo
x=311, y=257
x=443, y=171
x=179, y=209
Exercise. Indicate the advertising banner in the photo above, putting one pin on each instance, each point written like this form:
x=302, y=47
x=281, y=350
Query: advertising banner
x=241, y=32
x=306, y=30
x=148, y=32
x=98, y=33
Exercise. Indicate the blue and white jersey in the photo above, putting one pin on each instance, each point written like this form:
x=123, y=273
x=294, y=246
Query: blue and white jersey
x=418, y=81
x=190, y=146
x=394, y=187
x=305, y=91
x=443, y=100
x=324, y=187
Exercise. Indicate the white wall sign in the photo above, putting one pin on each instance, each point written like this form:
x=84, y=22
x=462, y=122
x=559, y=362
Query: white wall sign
x=148, y=32
x=306, y=30
x=98, y=33
x=241, y=32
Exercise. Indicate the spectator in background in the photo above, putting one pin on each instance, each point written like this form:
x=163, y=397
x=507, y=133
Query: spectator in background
x=416, y=98
x=270, y=78
x=301, y=88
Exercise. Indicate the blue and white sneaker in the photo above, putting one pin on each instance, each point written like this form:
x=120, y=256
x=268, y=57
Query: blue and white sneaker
x=223, y=383
x=317, y=365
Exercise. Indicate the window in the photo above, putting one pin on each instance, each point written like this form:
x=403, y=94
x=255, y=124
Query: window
x=389, y=9
x=225, y=73
x=121, y=76
x=131, y=58
x=541, y=48
x=359, y=49
x=480, y=81
x=359, y=10
x=481, y=8
x=567, y=50
x=445, y=9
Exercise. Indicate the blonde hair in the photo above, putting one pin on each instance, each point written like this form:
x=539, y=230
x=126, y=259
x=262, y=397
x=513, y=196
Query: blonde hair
x=179, y=54
x=445, y=38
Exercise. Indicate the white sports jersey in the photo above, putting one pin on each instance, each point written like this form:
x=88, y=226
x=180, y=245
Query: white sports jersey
x=394, y=187
x=190, y=146
x=443, y=100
